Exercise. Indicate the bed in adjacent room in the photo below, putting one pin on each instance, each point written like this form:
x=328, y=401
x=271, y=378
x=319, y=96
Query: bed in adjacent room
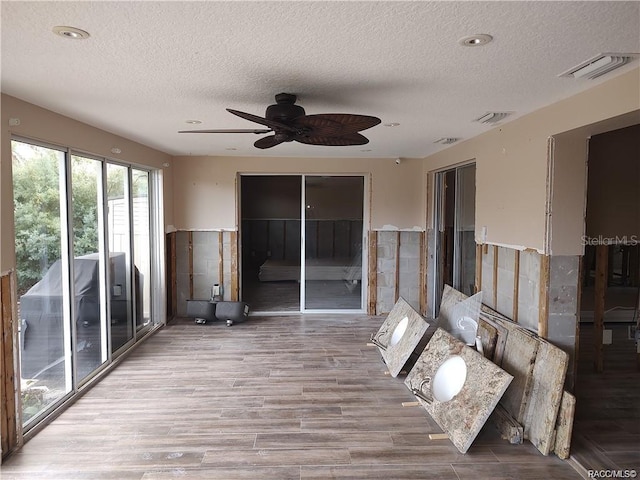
x=315, y=269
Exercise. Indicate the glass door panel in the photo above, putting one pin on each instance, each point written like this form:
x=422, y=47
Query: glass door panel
x=333, y=222
x=454, y=218
x=42, y=264
x=141, y=247
x=119, y=267
x=89, y=265
x=464, y=273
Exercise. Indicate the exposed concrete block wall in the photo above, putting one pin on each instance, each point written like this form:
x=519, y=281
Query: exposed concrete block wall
x=409, y=265
x=386, y=271
x=205, y=248
x=430, y=278
x=487, y=283
x=529, y=290
x=205, y=263
x=506, y=272
x=182, y=272
x=564, y=307
x=561, y=302
x=226, y=265
x=398, y=269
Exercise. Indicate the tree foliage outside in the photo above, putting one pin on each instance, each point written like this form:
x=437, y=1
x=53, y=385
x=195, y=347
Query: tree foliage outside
x=37, y=190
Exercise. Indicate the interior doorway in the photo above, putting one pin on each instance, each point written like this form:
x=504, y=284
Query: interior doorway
x=605, y=431
x=301, y=241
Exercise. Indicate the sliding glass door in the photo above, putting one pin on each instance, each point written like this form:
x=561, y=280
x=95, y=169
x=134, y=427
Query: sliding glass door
x=455, y=247
x=333, y=210
x=84, y=250
x=89, y=264
x=43, y=272
x=141, y=225
x=119, y=232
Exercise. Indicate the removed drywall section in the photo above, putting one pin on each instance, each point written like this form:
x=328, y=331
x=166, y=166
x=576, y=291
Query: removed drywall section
x=563, y=309
x=409, y=264
x=205, y=263
x=506, y=278
x=386, y=271
x=398, y=269
x=199, y=260
x=529, y=290
x=10, y=436
x=488, y=275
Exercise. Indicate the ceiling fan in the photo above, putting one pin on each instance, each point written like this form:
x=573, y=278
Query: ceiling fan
x=289, y=122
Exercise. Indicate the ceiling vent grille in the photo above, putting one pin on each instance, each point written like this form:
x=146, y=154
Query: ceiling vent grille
x=598, y=65
x=492, y=117
x=446, y=140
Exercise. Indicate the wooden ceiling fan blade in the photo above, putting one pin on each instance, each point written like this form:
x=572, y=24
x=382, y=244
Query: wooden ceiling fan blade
x=318, y=126
x=349, y=123
x=274, y=125
x=236, y=130
x=272, y=141
x=341, y=141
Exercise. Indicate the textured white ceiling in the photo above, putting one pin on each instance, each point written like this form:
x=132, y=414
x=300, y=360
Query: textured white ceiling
x=150, y=66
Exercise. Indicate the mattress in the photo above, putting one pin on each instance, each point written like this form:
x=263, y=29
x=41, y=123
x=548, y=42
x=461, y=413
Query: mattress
x=315, y=269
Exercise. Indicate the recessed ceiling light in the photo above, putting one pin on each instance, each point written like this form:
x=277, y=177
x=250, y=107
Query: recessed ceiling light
x=365, y=150
x=71, y=32
x=231, y=148
x=476, y=40
x=193, y=122
x=116, y=150
x=392, y=124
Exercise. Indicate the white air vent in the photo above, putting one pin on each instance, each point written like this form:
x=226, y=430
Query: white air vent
x=492, y=117
x=446, y=140
x=598, y=65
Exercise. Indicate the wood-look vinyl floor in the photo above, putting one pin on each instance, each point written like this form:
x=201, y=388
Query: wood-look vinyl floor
x=606, y=433
x=282, y=398
x=285, y=296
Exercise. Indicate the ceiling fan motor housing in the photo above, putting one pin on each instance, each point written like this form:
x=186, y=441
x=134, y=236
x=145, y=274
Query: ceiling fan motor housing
x=285, y=109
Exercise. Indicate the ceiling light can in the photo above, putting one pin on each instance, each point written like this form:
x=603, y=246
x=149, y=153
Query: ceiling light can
x=71, y=32
x=476, y=40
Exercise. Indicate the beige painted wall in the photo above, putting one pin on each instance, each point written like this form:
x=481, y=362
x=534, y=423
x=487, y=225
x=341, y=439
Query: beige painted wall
x=512, y=165
x=569, y=184
x=205, y=188
x=39, y=124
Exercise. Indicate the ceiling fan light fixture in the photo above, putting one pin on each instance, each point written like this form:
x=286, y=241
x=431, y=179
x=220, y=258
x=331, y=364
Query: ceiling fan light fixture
x=71, y=32
x=288, y=122
x=476, y=40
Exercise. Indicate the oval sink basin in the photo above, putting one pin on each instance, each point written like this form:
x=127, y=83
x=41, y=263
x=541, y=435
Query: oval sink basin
x=398, y=332
x=449, y=378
